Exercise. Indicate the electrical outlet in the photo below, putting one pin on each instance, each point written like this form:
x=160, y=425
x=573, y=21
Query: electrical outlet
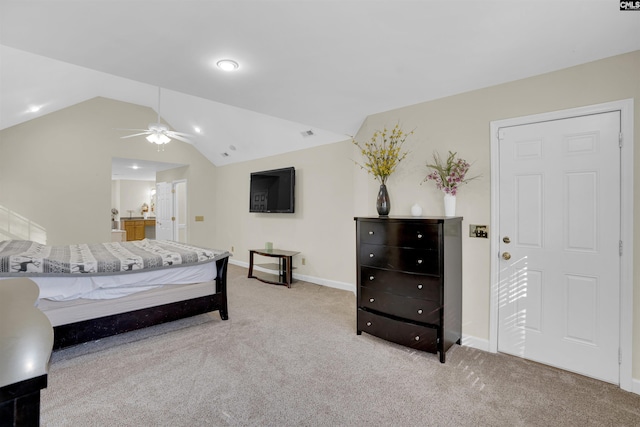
x=481, y=231
x=304, y=261
x=232, y=250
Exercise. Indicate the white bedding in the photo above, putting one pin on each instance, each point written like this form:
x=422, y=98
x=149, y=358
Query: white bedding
x=107, y=270
x=119, y=285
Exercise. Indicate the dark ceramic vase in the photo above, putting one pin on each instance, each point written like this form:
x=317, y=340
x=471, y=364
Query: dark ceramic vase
x=383, y=204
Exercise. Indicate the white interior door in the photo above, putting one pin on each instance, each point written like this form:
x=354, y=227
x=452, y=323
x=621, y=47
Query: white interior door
x=559, y=221
x=164, y=211
x=180, y=210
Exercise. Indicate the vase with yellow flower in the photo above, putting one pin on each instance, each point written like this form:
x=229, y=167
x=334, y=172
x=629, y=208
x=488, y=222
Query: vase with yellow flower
x=381, y=154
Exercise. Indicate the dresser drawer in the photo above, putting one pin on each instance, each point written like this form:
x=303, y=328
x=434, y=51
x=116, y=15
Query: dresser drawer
x=422, y=261
x=419, y=310
x=399, y=283
x=412, y=235
x=407, y=334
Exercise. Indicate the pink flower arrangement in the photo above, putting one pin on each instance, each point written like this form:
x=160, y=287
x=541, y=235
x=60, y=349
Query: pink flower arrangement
x=450, y=175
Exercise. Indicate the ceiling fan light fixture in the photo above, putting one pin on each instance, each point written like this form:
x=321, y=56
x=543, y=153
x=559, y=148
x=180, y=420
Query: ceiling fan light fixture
x=227, y=65
x=158, y=138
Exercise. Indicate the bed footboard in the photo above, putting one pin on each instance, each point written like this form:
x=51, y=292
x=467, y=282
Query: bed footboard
x=93, y=329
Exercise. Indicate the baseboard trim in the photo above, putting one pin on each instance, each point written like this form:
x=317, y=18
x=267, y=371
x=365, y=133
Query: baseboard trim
x=475, y=342
x=311, y=279
x=635, y=386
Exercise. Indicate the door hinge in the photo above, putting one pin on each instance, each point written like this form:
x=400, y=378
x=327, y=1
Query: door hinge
x=500, y=134
x=620, y=247
x=620, y=139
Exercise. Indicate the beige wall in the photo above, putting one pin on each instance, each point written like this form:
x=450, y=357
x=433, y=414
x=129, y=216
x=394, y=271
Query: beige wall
x=322, y=227
x=56, y=170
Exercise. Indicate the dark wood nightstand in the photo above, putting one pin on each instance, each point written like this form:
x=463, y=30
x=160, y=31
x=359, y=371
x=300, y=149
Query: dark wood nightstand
x=26, y=340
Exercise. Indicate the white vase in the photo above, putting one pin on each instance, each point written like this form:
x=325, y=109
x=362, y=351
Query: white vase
x=449, y=205
x=416, y=210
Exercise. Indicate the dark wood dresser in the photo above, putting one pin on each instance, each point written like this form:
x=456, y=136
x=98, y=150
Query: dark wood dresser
x=410, y=280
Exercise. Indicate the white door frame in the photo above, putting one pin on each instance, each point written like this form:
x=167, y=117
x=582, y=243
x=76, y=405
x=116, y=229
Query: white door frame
x=626, y=222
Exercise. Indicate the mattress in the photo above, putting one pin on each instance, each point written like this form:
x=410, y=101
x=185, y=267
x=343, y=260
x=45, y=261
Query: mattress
x=66, y=312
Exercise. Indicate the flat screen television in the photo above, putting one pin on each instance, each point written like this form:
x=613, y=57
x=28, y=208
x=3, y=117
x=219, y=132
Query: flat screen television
x=272, y=191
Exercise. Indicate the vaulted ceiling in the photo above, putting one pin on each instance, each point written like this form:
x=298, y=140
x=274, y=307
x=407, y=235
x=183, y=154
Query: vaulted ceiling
x=315, y=65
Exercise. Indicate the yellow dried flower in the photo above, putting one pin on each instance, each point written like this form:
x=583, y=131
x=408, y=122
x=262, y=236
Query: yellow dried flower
x=383, y=152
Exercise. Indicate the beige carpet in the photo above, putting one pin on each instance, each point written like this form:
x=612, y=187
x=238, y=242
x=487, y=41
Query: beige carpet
x=291, y=357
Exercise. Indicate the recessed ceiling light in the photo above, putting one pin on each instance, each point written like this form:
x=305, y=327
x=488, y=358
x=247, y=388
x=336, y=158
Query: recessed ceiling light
x=196, y=129
x=34, y=108
x=227, y=65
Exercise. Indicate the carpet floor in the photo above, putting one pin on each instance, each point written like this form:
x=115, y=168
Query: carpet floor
x=291, y=357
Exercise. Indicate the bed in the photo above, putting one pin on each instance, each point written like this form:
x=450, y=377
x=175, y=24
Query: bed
x=91, y=291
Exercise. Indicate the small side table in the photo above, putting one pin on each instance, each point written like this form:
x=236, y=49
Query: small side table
x=284, y=265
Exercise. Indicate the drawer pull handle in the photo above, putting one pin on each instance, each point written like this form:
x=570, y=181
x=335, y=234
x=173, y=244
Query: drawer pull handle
x=419, y=235
x=372, y=299
x=370, y=255
x=419, y=261
x=368, y=323
x=371, y=233
x=420, y=286
x=417, y=338
x=371, y=277
x=420, y=311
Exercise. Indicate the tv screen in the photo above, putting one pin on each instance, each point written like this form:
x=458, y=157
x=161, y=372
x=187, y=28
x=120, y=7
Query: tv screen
x=272, y=191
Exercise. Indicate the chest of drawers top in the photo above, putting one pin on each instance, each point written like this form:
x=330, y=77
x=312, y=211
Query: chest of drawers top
x=418, y=233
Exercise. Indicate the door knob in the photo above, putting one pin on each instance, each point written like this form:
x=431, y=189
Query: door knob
x=506, y=255
x=506, y=239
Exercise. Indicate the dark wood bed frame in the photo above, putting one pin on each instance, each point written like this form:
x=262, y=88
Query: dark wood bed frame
x=93, y=329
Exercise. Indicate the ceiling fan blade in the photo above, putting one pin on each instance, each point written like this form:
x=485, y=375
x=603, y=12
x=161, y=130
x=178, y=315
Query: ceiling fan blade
x=134, y=130
x=178, y=137
x=159, y=127
x=135, y=134
x=173, y=132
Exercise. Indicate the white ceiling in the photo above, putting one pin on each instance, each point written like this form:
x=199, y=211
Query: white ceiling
x=318, y=65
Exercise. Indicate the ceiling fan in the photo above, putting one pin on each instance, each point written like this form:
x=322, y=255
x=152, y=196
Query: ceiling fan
x=157, y=133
